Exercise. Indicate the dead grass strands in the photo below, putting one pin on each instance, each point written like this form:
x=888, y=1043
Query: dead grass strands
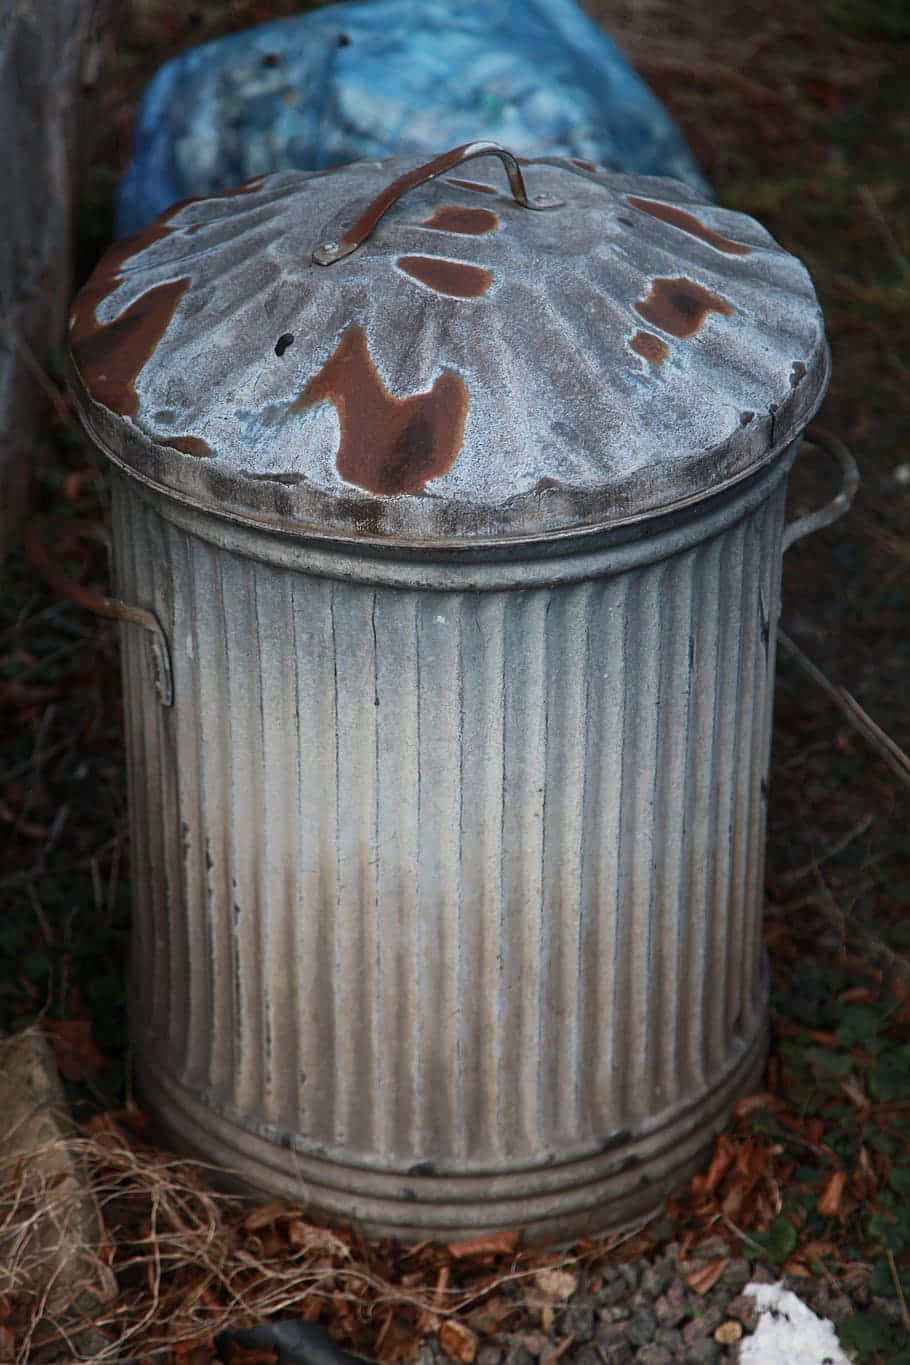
x=180, y=1263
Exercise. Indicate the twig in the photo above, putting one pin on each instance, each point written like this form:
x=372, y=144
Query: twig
x=796, y=874
x=873, y=208
x=37, y=371
x=898, y=1289
x=862, y=722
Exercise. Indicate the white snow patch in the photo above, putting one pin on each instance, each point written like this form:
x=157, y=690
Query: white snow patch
x=788, y=1332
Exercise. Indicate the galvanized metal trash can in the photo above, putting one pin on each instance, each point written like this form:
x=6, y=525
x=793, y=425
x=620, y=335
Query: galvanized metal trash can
x=454, y=501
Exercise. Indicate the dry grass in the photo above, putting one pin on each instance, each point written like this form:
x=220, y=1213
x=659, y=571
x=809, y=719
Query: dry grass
x=181, y=1263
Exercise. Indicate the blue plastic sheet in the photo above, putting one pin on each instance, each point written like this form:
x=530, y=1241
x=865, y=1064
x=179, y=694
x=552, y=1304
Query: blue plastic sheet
x=376, y=78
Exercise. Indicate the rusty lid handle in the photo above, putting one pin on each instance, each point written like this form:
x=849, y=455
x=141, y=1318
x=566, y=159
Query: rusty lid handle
x=814, y=521
x=57, y=578
x=342, y=244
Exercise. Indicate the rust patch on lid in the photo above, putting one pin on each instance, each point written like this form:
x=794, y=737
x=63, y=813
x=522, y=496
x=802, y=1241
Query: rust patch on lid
x=109, y=356
x=653, y=348
x=687, y=222
x=463, y=218
x=454, y=278
x=471, y=185
x=388, y=445
x=679, y=306
x=191, y=445
x=797, y=373
x=583, y=165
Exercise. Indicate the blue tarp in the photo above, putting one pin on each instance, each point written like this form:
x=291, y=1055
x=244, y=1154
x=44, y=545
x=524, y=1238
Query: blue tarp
x=376, y=78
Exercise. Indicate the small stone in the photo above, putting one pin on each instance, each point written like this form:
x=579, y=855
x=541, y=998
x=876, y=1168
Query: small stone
x=670, y=1308
x=655, y=1278
x=704, y=1352
x=762, y=1275
x=710, y=1249
x=670, y=1337
x=743, y=1309
x=855, y=1284
x=619, y=1354
x=641, y=1327
x=489, y=1354
x=578, y=1317
x=610, y=1335
x=629, y=1273
x=653, y=1354
x=588, y=1355
x=703, y=1325
x=890, y=1309
x=518, y=1354
x=612, y=1292
x=728, y=1332
x=736, y=1274
x=619, y=1313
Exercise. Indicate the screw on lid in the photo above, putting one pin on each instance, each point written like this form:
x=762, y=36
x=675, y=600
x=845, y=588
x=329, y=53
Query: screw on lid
x=416, y=353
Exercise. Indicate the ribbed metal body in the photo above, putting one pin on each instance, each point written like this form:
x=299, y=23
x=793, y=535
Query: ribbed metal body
x=447, y=869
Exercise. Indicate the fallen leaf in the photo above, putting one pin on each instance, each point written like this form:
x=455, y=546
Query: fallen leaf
x=496, y=1244
x=702, y=1280
x=829, y=1203
x=74, y=1045
x=264, y=1216
x=556, y=1285
x=749, y=1103
x=721, y=1161
x=487, y=1317
x=457, y=1341
x=818, y=1251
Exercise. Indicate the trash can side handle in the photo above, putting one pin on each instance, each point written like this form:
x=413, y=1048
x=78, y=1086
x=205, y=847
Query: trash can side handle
x=338, y=244
x=814, y=521
x=57, y=578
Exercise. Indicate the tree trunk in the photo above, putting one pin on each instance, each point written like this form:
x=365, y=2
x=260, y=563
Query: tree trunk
x=41, y=52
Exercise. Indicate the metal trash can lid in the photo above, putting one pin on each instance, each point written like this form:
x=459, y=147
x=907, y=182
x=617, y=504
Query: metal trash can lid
x=447, y=355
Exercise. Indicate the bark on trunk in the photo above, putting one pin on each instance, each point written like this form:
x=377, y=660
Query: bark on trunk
x=42, y=43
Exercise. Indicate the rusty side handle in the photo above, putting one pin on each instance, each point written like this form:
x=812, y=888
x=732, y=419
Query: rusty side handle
x=340, y=244
x=814, y=521
x=56, y=576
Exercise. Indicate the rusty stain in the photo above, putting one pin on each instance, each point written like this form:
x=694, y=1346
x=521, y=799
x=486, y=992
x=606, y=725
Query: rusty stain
x=687, y=222
x=797, y=373
x=546, y=484
x=388, y=445
x=746, y=417
x=191, y=445
x=651, y=347
x=679, y=306
x=462, y=218
x=583, y=165
x=109, y=356
x=455, y=278
x=472, y=185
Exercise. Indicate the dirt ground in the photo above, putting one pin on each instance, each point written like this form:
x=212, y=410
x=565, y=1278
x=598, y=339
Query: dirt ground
x=799, y=114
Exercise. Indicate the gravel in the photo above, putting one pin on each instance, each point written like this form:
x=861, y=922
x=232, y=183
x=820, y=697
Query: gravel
x=644, y=1313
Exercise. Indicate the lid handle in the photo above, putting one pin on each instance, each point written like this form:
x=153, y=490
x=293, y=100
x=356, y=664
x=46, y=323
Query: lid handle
x=328, y=252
